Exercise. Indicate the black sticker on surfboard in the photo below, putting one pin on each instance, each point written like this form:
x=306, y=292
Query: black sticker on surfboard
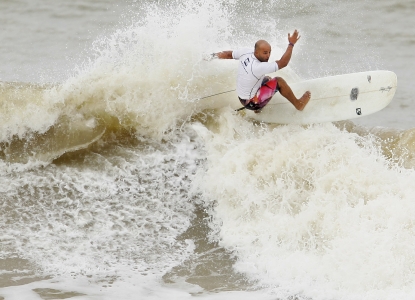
x=358, y=111
x=354, y=94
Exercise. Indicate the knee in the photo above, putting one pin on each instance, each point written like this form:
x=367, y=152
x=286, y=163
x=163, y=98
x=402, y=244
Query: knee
x=281, y=83
x=281, y=80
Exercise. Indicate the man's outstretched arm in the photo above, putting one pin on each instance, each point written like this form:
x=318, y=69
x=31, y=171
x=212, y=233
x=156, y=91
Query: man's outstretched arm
x=223, y=54
x=286, y=57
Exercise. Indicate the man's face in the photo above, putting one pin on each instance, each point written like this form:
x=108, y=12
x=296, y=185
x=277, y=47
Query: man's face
x=263, y=52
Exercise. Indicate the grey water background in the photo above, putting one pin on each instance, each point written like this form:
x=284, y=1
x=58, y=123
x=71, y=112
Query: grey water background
x=45, y=41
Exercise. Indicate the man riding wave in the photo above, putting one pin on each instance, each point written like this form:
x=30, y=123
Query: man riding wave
x=254, y=89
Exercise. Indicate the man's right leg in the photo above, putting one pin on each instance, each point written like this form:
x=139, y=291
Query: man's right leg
x=286, y=92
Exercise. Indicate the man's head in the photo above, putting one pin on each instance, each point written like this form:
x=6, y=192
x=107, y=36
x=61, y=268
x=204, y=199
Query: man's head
x=262, y=50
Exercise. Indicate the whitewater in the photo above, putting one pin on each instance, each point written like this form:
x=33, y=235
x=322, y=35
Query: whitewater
x=119, y=181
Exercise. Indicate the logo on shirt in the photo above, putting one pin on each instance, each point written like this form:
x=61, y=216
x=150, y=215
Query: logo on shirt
x=246, y=62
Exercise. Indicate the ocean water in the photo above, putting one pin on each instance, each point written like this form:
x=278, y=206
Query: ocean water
x=117, y=183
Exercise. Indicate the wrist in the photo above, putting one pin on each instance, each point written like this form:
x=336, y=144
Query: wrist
x=291, y=44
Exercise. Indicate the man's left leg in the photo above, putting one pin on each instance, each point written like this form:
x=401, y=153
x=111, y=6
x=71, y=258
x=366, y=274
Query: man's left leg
x=286, y=92
x=272, y=85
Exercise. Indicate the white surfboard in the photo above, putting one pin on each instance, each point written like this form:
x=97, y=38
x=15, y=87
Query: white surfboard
x=333, y=98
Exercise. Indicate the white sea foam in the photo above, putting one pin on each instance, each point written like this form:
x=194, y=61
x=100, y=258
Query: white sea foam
x=311, y=211
x=306, y=211
x=122, y=207
x=24, y=109
x=148, y=75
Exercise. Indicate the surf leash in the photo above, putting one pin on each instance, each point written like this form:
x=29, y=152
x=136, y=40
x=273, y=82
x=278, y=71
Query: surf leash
x=215, y=95
x=239, y=109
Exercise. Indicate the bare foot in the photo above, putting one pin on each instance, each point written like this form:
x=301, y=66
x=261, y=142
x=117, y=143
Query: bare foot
x=302, y=102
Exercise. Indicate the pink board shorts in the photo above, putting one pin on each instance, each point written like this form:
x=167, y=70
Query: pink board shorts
x=263, y=96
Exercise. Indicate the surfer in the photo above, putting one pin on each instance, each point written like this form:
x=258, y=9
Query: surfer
x=255, y=89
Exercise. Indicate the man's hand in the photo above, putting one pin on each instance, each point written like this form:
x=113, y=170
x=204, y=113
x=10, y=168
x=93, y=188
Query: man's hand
x=209, y=57
x=294, y=38
x=286, y=57
x=221, y=55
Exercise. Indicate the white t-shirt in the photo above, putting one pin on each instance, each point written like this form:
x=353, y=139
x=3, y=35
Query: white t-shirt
x=251, y=72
